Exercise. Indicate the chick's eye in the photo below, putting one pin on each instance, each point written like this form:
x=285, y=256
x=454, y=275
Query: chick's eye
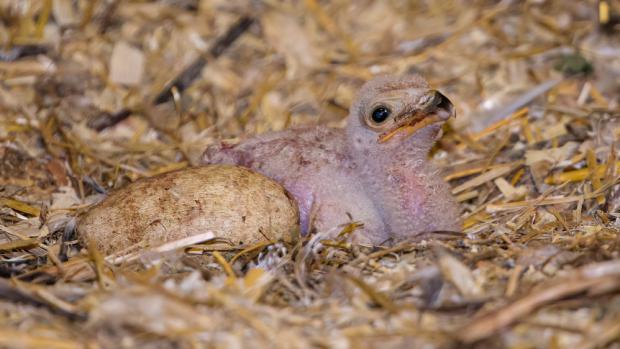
x=380, y=114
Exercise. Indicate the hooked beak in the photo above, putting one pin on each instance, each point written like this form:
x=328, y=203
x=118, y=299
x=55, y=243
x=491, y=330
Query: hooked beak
x=438, y=109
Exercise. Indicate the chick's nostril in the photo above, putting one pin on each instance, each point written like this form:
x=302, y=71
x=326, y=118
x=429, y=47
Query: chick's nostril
x=442, y=103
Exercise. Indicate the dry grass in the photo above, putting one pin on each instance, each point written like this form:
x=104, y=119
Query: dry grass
x=532, y=157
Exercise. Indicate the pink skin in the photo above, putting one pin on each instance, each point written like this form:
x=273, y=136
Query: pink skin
x=337, y=175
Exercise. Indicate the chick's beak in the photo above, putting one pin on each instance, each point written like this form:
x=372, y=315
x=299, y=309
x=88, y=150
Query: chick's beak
x=438, y=109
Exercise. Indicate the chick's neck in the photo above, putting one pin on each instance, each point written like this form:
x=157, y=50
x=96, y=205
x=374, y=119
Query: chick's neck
x=398, y=178
x=407, y=152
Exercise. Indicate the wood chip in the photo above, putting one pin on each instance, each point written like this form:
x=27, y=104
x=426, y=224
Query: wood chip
x=126, y=64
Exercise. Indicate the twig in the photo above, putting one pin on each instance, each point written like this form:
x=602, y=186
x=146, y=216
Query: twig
x=589, y=277
x=185, y=78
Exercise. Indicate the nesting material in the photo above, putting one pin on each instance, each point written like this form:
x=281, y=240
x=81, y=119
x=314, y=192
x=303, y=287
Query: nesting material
x=126, y=64
x=532, y=156
x=234, y=203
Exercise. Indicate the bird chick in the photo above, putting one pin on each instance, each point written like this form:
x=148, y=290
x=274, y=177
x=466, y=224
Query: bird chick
x=375, y=171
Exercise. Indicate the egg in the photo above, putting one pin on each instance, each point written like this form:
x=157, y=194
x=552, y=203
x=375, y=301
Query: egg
x=234, y=203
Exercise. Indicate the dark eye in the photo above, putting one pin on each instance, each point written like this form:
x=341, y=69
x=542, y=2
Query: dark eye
x=380, y=114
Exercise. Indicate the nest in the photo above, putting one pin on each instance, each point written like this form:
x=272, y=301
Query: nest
x=96, y=94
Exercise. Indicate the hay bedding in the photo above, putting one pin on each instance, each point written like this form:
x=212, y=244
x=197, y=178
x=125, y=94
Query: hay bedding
x=89, y=102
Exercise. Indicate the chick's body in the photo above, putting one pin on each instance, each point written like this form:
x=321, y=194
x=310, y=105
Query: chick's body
x=343, y=175
x=313, y=165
